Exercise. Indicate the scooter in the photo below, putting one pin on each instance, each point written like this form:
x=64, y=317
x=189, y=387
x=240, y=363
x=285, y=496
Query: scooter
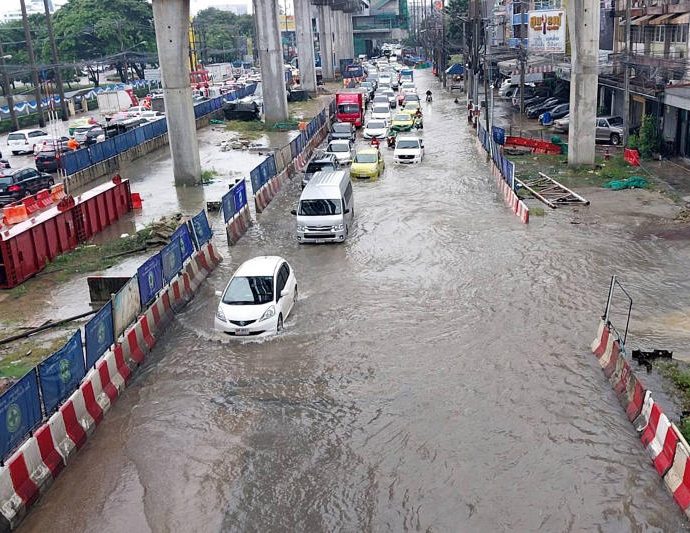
x=429, y=98
x=391, y=142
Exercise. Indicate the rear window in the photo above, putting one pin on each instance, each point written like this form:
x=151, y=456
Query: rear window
x=36, y=134
x=381, y=109
x=616, y=121
x=341, y=127
x=5, y=180
x=16, y=137
x=318, y=167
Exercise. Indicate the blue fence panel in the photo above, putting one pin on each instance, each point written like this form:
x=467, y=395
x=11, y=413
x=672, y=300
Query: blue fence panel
x=140, y=135
x=171, y=257
x=109, y=149
x=70, y=163
x=202, y=230
x=147, y=131
x=20, y=410
x=99, y=334
x=96, y=153
x=120, y=143
x=184, y=240
x=150, y=276
x=264, y=172
x=61, y=373
x=271, y=163
x=228, y=203
x=255, y=177
x=83, y=158
x=234, y=200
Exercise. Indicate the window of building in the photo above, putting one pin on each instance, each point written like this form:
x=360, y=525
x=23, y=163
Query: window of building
x=659, y=34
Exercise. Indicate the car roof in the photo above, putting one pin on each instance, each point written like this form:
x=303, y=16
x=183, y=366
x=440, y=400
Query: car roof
x=26, y=131
x=264, y=265
x=367, y=151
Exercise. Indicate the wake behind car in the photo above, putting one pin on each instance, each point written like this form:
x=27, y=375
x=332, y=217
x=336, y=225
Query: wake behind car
x=15, y=184
x=258, y=298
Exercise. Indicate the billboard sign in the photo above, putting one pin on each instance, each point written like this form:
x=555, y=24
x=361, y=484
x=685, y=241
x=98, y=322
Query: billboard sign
x=546, y=31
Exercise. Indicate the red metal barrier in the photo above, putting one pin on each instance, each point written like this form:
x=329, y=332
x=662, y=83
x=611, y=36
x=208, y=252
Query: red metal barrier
x=28, y=246
x=632, y=157
x=537, y=146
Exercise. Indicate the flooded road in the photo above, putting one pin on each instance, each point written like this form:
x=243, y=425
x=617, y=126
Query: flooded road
x=436, y=376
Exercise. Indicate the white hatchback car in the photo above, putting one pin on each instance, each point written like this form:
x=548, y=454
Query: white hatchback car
x=26, y=140
x=258, y=298
x=381, y=112
x=376, y=128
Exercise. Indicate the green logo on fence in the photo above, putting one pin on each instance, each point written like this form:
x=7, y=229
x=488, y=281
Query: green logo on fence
x=65, y=370
x=13, y=418
x=100, y=333
x=151, y=280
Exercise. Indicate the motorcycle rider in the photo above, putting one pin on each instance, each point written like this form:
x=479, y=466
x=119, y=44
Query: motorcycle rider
x=428, y=95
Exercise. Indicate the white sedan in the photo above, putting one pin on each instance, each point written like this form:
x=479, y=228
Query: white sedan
x=258, y=298
x=341, y=149
x=376, y=128
x=381, y=112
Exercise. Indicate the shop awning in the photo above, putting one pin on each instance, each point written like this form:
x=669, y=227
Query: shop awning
x=638, y=21
x=682, y=19
x=662, y=19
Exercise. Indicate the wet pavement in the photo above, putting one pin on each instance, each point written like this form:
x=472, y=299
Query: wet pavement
x=435, y=376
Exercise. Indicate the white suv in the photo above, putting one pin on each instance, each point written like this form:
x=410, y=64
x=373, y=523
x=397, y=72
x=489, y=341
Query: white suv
x=408, y=149
x=26, y=140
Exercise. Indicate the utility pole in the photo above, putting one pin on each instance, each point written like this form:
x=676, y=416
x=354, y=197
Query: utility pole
x=32, y=60
x=444, y=54
x=8, y=89
x=523, y=59
x=626, y=78
x=56, y=62
x=487, y=109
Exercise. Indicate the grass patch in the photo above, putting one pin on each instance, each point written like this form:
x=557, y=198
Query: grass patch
x=536, y=211
x=678, y=374
x=20, y=357
x=250, y=129
x=96, y=257
x=207, y=175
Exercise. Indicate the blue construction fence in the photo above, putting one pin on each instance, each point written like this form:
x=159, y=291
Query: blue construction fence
x=83, y=158
x=234, y=200
x=38, y=394
x=490, y=142
x=268, y=168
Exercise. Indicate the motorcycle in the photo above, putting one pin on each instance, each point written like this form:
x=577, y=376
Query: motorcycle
x=391, y=142
x=429, y=98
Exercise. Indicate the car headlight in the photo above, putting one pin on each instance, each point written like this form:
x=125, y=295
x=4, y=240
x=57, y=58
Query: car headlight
x=339, y=227
x=220, y=316
x=268, y=314
x=300, y=228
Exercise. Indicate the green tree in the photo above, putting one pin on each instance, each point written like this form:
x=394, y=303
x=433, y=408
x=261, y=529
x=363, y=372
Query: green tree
x=223, y=34
x=113, y=31
x=456, y=12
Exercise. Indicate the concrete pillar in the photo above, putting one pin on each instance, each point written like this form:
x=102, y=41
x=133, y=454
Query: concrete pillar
x=350, y=36
x=583, y=23
x=326, y=42
x=171, y=20
x=305, y=45
x=271, y=58
x=338, y=52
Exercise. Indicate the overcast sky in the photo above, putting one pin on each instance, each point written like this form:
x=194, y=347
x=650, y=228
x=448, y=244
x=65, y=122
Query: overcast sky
x=12, y=5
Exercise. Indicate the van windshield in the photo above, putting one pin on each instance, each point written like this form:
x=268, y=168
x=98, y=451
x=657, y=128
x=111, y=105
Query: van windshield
x=315, y=208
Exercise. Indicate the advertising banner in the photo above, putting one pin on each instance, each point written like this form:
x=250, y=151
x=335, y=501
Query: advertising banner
x=126, y=306
x=546, y=31
x=202, y=231
x=171, y=257
x=99, y=334
x=61, y=373
x=185, y=241
x=150, y=276
x=20, y=412
x=234, y=200
x=255, y=176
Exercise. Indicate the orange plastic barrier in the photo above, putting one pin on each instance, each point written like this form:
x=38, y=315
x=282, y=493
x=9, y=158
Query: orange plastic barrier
x=13, y=214
x=57, y=192
x=632, y=157
x=30, y=205
x=136, y=200
x=43, y=198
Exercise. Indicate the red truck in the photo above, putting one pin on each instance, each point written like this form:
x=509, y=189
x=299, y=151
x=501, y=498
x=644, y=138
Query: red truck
x=350, y=108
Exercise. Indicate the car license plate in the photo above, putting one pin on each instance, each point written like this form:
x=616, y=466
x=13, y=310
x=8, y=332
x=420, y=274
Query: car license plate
x=242, y=331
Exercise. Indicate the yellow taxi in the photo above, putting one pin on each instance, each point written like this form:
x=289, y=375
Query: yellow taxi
x=411, y=108
x=367, y=164
x=402, y=122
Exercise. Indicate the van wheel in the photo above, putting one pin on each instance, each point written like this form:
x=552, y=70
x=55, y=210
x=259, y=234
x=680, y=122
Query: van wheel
x=280, y=323
x=615, y=139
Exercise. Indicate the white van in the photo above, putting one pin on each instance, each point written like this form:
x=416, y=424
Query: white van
x=26, y=140
x=326, y=208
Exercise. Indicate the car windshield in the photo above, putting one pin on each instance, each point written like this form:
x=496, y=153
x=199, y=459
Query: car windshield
x=341, y=127
x=380, y=109
x=407, y=143
x=254, y=290
x=15, y=137
x=319, y=207
x=348, y=108
x=616, y=121
x=339, y=147
x=402, y=117
x=376, y=125
x=365, y=158
x=316, y=167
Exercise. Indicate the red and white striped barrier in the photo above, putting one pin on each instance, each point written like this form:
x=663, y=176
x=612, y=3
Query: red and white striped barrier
x=238, y=225
x=517, y=206
x=677, y=478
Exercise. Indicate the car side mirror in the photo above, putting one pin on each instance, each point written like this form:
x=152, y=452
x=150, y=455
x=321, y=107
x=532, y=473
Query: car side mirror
x=346, y=211
x=293, y=212
x=219, y=293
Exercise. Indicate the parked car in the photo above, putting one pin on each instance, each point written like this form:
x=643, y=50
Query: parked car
x=25, y=140
x=610, y=129
x=556, y=112
x=342, y=150
x=561, y=125
x=49, y=158
x=94, y=136
x=536, y=110
x=408, y=149
x=342, y=130
x=80, y=132
x=15, y=184
x=258, y=298
x=320, y=162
